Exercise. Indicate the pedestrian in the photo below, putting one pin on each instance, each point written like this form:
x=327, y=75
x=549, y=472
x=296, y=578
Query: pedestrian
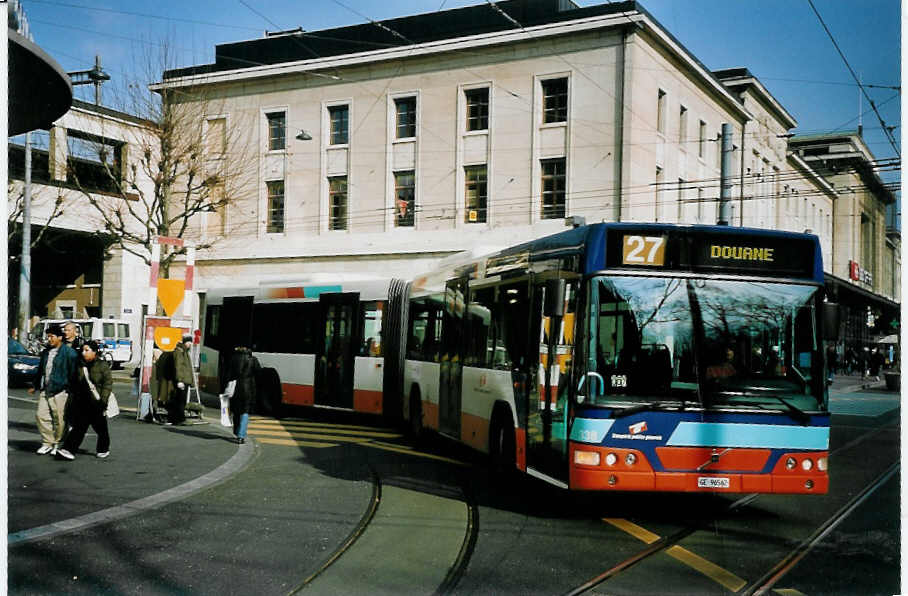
x=91, y=392
x=242, y=368
x=831, y=359
x=53, y=381
x=181, y=378
x=876, y=363
x=72, y=337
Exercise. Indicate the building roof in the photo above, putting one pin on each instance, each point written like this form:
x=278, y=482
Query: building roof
x=742, y=79
x=399, y=32
x=832, y=151
x=320, y=53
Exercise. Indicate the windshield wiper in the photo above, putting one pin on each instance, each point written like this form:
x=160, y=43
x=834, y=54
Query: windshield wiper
x=621, y=413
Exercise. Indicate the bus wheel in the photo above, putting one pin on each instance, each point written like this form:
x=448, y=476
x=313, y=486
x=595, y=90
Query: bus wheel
x=416, y=427
x=269, y=393
x=502, y=444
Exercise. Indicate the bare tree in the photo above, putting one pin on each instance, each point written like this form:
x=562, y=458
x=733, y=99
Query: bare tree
x=16, y=205
x=177, y=165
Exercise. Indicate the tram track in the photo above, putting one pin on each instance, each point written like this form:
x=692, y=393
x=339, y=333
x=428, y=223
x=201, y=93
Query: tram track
x=357, y=531
x=374, y=512
x=765, y=583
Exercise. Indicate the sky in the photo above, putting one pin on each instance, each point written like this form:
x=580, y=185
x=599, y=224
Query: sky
x=782, y=42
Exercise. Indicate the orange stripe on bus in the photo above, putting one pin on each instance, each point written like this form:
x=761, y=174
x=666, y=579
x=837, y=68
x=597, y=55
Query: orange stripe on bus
x=298, y=395
x=365, y=400
x=430, y=415
x=474, y=431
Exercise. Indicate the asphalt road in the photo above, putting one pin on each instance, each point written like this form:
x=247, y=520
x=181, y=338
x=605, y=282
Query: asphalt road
x=335, y=504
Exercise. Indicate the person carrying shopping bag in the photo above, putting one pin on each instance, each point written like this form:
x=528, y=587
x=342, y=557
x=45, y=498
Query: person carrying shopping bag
x=242, y=368
x=91, y=395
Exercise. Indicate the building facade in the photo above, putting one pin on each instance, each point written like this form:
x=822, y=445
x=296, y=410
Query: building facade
x=83, y=155
x=381, y=149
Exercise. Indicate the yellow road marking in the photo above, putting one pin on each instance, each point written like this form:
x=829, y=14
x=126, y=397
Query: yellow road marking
x=273, y=422
x=707, y=568
x=292, y=443
x=416, y=453
x=316, y=436
x=343, y=431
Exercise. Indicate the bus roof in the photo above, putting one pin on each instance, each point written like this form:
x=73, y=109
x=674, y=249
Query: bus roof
x=699, y=249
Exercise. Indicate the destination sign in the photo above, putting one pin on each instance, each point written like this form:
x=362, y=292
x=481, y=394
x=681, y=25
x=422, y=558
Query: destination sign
x=710, y=251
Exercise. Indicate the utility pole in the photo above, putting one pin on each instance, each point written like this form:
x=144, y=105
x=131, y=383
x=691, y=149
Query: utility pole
x=725, y=188
x=25, y=264
x=96, y=76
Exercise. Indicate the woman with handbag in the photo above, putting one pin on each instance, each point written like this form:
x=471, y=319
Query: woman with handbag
x=91, y=401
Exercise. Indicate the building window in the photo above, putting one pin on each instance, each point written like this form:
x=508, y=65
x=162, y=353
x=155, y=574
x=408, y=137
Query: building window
x=340, y=126
x=554, y=100
x=405, y=198
x=701, y=141
x=477, y=109
x=553, y=186
x=275, y=206
x=475, y=190
x=337, y=199
x=660, y=112
x=277, y=131
x=682, y=126
x=405, y=108
x=216, y=137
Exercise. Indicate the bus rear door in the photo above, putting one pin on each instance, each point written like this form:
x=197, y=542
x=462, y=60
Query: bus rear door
x=451, y=369
x=336, y=351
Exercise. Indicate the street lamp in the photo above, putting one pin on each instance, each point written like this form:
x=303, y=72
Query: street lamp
x=303, y=136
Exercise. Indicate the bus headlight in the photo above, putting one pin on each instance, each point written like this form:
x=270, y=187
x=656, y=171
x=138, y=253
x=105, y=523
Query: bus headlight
x=611, y=458
x=807, y=464
x=821, y=464
x=790, y=463
x=586, y=458
x=630, y=459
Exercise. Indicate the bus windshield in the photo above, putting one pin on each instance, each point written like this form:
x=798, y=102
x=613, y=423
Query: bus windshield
x=715, y=343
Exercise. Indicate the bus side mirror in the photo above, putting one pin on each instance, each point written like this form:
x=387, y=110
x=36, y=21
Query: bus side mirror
x=832, y=318
x=554, y=298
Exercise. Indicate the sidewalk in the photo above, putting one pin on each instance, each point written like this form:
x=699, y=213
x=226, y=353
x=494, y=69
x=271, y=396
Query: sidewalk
x=149, y=465
x=848, y=383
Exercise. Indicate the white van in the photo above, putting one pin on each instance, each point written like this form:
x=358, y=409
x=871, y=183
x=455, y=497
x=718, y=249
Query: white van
x=113, y=334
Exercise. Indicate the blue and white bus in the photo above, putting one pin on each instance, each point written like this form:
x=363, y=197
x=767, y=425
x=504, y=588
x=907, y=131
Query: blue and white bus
x=635, y=357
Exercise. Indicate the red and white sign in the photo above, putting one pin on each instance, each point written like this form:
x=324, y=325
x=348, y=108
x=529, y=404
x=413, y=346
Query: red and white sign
x=638, y=428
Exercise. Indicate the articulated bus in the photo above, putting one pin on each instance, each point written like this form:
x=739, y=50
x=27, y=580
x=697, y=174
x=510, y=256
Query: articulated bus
x=319, y=341
x=636, y=357
x=630, y=357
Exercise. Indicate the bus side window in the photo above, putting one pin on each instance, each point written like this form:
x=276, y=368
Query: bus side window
x=480, y=336
x=514, y=317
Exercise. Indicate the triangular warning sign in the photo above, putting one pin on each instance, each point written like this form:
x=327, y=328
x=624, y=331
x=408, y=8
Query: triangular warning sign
x=170, y=293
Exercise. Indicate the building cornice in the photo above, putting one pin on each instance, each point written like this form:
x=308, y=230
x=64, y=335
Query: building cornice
x=318, y=66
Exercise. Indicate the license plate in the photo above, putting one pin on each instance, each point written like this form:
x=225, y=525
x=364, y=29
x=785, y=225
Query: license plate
x=711, y=482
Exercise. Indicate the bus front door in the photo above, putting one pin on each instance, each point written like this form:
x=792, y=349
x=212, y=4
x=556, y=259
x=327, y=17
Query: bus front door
x=451, y=369
x=551, y=339
x=335, y=357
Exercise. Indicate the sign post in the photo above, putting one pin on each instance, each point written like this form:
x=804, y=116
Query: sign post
x=165, y=332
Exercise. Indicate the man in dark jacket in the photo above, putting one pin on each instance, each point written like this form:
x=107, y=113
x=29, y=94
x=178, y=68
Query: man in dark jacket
x=179, y=371
x=54, y=378
x=243, y=368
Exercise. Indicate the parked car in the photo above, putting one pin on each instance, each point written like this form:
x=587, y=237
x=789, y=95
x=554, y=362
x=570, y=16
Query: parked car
x=21, y=364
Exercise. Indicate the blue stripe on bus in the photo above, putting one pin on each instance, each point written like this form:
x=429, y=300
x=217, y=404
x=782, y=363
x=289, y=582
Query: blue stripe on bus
x=590, y=430
x=314, y=291
x=765, y=436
